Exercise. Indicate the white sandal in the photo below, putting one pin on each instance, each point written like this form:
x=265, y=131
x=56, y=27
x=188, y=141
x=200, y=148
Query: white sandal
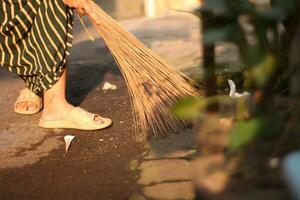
x=77, y=119
x=28, y=96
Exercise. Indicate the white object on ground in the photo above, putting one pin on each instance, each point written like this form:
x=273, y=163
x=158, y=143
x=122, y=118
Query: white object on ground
x=68, y=140
x=233, y=92
x=109, y=86
x=291, y=172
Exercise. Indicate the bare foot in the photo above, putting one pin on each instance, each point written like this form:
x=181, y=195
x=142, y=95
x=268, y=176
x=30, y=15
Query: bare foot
x=58, y=110
x=28, y=102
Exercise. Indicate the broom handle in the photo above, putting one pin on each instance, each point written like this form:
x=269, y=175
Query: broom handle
x=85, y=28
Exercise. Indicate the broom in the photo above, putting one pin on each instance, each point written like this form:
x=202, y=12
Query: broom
x=153, y=85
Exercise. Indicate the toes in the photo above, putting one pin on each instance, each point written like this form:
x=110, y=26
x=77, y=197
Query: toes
x=23, y=106
x=20, y=106
x=27, y=106
x=31, y=106
x=98, y=120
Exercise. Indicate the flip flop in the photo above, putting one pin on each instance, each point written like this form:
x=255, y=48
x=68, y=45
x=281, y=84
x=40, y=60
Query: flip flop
x=27, y=95
x=77, y=119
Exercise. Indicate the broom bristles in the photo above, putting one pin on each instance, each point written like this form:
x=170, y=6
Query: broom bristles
x=153, y=85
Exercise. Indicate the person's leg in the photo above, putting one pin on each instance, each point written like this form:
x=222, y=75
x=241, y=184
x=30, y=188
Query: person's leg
x=12, y=44
x=55, y=100
x=55, y=103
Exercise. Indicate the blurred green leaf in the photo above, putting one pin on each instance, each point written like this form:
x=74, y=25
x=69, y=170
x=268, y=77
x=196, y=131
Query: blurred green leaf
x=242, y=108
x=264, y=70
x=244, y=132
x=248, y=79
x=192, y=107
x=252, y=55
x=188, y=107
x=265, y=126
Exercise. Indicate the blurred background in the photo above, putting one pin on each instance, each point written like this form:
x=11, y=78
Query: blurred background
x=144, y=8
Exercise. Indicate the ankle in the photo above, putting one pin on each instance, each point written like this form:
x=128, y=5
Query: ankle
x=55, y=109
x=52, y=101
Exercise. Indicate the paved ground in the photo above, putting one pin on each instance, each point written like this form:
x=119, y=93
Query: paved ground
x=108, y=164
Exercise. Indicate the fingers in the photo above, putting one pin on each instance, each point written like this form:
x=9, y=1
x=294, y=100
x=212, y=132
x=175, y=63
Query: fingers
x=78, y=5
x=81, y=12
x=84, y=7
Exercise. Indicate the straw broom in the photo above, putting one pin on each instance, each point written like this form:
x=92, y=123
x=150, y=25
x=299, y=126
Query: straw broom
x=153, y=85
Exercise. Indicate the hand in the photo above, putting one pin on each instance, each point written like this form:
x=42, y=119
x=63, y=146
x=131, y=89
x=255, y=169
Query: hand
x=83, y=7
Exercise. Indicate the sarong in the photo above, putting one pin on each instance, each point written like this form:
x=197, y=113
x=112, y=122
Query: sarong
x=35, y=40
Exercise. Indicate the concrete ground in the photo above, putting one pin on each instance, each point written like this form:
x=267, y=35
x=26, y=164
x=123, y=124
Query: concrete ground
x=107, y=164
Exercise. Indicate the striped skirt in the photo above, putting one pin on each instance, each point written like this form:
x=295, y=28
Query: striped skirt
x=35, y=40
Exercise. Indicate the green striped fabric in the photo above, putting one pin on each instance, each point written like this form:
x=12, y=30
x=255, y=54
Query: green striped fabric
x=35, y=40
